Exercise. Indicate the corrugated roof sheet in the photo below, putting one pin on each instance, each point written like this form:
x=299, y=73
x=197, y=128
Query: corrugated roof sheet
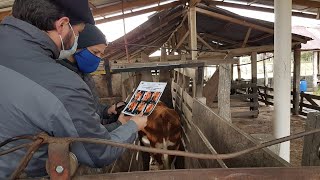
x=312, y=32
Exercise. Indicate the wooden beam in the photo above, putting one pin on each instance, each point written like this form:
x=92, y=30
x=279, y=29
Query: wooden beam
x=246, y=38
x=180, y=25
x=194, y=2
x=180, y=42
x=257, y=8
x=193, y=32
x=136, y=13
x=314, y=4
x=118, y=7
x=205, y=43
x=218, y=38
x=242, y=22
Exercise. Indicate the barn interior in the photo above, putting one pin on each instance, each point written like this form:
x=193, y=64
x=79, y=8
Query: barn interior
x=192, y=37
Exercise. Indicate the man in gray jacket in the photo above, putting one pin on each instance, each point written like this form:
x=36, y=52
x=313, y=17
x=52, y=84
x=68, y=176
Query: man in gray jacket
x=39, y=95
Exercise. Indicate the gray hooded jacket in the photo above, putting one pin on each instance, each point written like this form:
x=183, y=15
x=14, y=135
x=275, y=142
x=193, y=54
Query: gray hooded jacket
x=39, y=95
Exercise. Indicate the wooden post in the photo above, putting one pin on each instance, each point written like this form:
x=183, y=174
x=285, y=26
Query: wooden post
x=315, y=71
x=310, y=155
x=199, y=82
x=265, y=70
x=145, y=75
x=232, y=68
x=266, y=80
x=192, y=14
x=296, y=78
x=224, y=91
x=108, y=76
x=318, y=60
x=210, y=91
x=301, y=103
x=254, y=80
x=166, y=77
x=239, y=69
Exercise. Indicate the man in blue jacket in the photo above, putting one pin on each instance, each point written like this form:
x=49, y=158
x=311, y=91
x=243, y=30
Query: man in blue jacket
x=39, y=95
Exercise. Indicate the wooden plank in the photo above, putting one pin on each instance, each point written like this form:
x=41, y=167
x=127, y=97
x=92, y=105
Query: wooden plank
x=264, y=87
x=227, y=138
x=311, y=142
x=310, y=100
x=310, y=106
x=198, y=82
x=208, y=145
x=181, y=42
x=244, y=96
x=266, y=102
x=190, y=72
x=310, y=96
x=210, y=90
x=186, y=111
x=196, y=143
x=243, y=85
x=303, y=113
x=243, y=104
x=205, y=43
x=187, y=99
x=245, y=114
x=268, y=96
x=246, y=37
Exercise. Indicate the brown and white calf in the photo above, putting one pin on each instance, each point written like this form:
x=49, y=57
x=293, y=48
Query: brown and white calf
x=163, y=131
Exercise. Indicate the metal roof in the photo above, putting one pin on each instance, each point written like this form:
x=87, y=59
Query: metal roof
x=218, y=33
x=312, y=32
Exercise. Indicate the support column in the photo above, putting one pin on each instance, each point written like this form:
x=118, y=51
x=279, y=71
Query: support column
x=282, y=74
x=165, y=76
x=224, y=91
x=265, y=70
x=296, y=79
x=254, y=73
x=192, y=14
x=239, y=69
x=315, y=71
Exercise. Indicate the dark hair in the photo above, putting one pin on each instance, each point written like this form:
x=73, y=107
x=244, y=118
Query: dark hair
x=40, y=13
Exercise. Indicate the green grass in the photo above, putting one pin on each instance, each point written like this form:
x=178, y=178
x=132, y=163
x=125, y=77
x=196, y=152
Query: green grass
x=317, y=92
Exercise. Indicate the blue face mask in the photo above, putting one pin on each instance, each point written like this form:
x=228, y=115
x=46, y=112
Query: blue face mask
x=87, y=62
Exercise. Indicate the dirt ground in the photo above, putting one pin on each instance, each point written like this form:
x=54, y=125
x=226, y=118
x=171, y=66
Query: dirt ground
x=263, y=125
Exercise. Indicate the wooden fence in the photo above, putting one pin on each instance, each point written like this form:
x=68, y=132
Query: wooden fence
x=206, y=132
x=307, y=101
x=244, y=94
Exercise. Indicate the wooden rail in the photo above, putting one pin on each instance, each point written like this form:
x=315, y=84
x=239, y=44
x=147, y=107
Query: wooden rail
x=242, y=90
x=308, y=101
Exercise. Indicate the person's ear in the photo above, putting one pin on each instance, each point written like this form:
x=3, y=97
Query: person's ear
x=61, y=23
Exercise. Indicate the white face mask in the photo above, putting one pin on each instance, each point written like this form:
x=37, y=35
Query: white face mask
x=64, y=54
